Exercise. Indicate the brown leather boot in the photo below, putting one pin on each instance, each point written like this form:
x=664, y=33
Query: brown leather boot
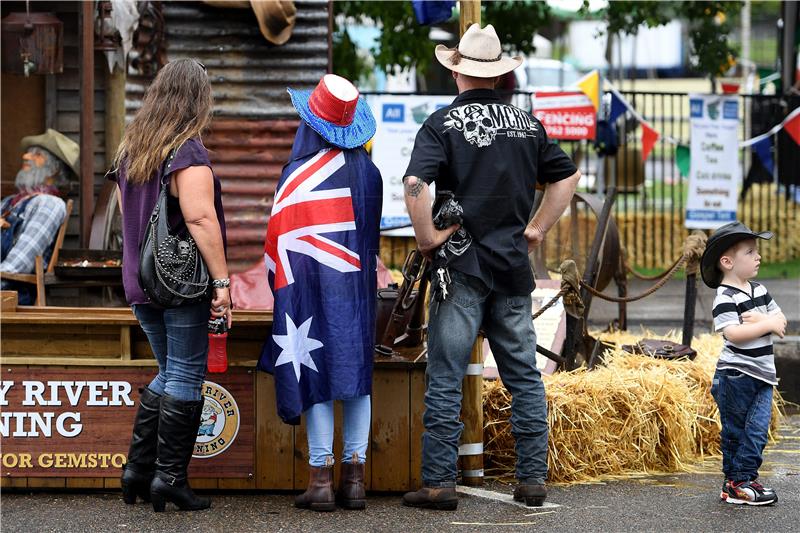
x=319, y=495
x=441, y=498
x=351, y=493
x=533, y=494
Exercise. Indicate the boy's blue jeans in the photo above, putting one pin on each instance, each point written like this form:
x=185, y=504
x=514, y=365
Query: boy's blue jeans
x=452, y=329
x=179, y=339
x=745, y=409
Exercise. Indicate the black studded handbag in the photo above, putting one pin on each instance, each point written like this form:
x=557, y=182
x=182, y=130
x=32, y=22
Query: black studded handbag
x=172, y=272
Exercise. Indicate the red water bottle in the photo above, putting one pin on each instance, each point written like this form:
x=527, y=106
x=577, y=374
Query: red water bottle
x=218, y=344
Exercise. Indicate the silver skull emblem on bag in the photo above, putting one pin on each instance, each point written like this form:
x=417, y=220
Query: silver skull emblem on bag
x=184, y=249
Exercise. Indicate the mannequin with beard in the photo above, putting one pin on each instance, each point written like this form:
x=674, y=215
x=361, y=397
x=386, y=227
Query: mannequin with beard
x=31, y=218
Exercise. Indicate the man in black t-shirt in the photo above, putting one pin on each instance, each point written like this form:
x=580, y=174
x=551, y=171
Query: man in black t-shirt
x=489, y=156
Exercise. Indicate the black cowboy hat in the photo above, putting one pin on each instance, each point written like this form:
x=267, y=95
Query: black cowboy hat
x=718, y=243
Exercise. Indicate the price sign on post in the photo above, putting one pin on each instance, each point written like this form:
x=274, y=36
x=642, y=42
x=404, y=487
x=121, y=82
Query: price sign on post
x=715, y=173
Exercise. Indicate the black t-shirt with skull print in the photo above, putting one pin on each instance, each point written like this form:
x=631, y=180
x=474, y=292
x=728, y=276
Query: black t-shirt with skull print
x=490, y=155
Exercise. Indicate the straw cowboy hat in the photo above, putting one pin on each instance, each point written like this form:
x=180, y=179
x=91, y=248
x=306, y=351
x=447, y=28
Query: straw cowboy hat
x=478, y=54
x=276, y=18
x=335, y=111
x=57, y=144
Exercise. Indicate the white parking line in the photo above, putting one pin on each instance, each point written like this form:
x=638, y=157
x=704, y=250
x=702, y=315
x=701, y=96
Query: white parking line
x=501, y=497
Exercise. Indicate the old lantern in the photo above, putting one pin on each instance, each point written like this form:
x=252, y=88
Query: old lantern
x=33, y=43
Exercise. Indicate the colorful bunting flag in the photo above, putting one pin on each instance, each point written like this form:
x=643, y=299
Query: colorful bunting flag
x=618, y=107
x=649, y=138
x=683, y=158
x=763, y=150
x=792, y=127
x=590, y=85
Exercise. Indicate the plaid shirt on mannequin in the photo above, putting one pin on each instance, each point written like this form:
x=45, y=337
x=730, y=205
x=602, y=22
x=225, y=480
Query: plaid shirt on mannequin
x=43, y=215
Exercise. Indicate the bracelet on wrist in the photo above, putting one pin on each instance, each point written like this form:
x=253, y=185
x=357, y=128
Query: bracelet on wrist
x=221, y=283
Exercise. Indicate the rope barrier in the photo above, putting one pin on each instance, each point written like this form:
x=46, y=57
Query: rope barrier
x=693, y=248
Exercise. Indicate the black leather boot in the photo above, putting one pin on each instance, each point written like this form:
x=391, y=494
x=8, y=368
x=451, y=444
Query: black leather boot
x=177, y=433
x=138, y=471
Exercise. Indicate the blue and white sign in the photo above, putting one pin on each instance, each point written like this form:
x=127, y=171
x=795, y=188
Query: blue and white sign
x=715, y=173
x=399, y=119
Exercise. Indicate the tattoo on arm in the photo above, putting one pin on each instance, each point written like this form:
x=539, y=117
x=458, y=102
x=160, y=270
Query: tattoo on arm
x=413, y=189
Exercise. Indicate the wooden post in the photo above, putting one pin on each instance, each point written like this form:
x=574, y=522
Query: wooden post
x=688, y=308
x=115, y=112
x=470, y=450
x=86, y=119
x=470, y=14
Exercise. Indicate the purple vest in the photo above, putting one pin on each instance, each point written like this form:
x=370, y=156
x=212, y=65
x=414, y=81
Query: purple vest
x=138, y=202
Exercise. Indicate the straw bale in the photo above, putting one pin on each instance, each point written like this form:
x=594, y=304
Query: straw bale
x=631, y=416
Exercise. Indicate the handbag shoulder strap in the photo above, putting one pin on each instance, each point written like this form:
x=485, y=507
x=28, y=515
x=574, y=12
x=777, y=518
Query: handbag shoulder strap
x=167, y=164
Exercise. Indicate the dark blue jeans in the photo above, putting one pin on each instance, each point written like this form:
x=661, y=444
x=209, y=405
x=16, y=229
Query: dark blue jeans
x=179, y=339
x=745, y=409
x=452, y=330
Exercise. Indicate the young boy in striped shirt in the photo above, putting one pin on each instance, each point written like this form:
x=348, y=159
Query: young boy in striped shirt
x=747, y=316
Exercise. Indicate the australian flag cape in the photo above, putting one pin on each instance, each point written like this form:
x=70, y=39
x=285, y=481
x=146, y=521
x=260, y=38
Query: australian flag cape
x=321, y=258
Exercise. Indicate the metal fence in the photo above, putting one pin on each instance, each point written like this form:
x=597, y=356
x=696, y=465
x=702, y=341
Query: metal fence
x=651, y=199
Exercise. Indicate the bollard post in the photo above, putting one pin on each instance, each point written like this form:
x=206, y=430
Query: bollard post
x=688, y=308
x=470, y=450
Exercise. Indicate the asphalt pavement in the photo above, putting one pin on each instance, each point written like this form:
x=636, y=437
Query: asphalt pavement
x=682, y=502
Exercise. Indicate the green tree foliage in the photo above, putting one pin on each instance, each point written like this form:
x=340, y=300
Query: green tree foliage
x=405, y=44
x=709, y=26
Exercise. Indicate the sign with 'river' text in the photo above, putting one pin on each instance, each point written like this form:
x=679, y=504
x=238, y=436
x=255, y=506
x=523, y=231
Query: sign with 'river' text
x=76, y=421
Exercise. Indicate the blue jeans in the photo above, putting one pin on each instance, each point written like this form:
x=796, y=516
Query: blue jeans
x=319, y=428
x=452, y=329
x=745, y=409
x=179, y=339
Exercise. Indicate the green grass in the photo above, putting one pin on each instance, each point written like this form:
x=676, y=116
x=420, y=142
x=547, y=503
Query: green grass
x=786, y=270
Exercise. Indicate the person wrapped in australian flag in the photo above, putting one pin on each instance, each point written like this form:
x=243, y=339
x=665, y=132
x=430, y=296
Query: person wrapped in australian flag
x=321, y=255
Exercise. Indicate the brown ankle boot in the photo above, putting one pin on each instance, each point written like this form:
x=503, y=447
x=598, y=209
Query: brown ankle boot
x=319, y=495
x=441, y=498
x=351, y=493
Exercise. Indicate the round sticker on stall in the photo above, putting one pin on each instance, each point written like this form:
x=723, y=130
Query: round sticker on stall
x=219, y=422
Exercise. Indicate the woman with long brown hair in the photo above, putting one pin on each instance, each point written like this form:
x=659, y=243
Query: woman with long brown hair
x=162, y=144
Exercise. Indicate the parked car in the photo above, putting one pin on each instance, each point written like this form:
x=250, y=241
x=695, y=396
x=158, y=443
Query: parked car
x=538, y=74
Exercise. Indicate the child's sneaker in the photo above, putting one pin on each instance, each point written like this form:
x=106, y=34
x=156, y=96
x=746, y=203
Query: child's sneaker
x=749, y=493
x=765, y=490
x=723, y=495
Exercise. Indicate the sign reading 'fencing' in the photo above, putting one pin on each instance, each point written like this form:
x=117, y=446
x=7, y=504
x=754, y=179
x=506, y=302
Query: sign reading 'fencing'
x=566, y=115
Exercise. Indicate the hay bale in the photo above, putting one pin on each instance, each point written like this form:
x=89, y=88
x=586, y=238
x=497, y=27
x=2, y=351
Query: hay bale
x=634, y=415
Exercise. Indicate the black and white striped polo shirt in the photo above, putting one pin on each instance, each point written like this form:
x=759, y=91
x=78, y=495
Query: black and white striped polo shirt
x=755, y=358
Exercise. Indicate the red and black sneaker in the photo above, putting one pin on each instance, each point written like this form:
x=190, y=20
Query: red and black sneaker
x=749, y=493
x=723, y=495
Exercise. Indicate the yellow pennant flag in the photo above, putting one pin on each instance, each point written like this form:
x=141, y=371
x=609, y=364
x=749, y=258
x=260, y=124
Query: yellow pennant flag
x=590, y=85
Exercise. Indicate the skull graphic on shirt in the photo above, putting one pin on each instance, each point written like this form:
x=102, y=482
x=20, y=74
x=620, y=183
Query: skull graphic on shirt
x=474, y=122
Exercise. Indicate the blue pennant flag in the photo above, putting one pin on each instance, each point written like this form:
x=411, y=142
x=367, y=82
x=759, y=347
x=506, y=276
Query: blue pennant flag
x=618, y=107
x=763, y=150
x=321, y=255
x=432, y=11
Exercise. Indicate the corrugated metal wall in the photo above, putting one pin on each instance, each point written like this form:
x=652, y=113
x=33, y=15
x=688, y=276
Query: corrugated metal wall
x=255, y=123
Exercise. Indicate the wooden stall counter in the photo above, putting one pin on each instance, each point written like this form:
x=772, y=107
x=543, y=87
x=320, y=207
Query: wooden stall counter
x=69, y=391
